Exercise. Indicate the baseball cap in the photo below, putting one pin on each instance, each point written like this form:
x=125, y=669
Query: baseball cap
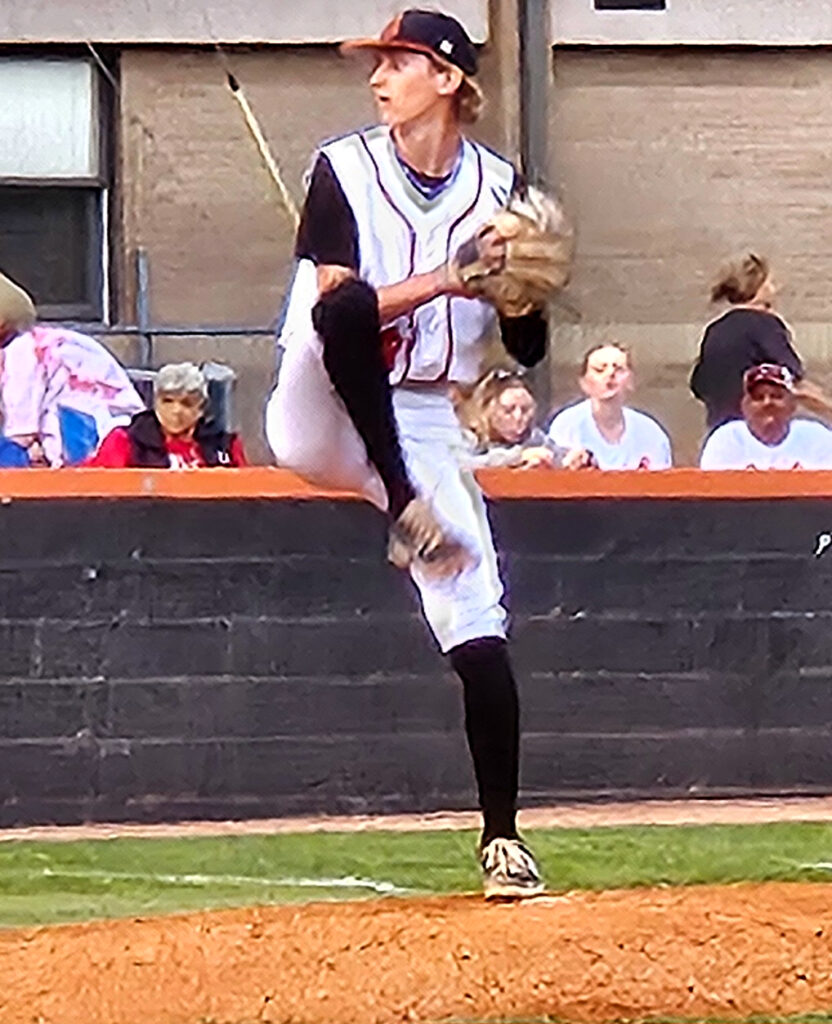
x=432, y=33
x=17, y=310
x=770, y=373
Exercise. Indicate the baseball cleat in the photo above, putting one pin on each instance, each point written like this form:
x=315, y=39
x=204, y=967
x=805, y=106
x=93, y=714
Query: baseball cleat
x=417, y=537
x=509, y=871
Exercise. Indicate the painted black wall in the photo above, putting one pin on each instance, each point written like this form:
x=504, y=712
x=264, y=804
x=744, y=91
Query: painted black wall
x=171, y=659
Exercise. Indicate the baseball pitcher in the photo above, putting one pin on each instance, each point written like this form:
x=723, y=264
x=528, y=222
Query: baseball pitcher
x=413, y=240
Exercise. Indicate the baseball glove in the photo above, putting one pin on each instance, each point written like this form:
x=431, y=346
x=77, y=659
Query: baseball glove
x=536, y=255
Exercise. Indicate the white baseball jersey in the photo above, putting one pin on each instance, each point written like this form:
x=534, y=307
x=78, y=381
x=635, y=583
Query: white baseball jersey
x=401, y=233
x=808, y=445
x=643, y=445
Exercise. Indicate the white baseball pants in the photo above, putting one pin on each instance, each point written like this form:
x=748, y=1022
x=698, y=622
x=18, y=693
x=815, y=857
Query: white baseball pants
x=310, y=432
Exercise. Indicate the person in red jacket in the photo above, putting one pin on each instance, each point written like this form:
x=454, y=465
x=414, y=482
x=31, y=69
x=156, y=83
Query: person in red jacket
x=175, y=433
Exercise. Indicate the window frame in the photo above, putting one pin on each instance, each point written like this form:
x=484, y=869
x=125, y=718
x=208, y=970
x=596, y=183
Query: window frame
x=99, y=215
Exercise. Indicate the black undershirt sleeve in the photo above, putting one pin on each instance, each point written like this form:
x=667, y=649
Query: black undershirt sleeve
x=524, y=337
x=328, y=232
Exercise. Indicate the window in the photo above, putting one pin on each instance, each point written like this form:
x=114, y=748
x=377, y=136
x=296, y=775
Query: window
x=630, y=5
x=53, y=196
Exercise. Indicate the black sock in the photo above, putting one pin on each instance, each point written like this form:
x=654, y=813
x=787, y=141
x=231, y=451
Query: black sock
x=492, y=727
x=347, y=320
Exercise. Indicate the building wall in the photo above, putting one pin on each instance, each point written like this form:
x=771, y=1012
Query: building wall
x=195, y=192
x=195, y=195
x=695, y=21
x=671, y=160
x=204, y=21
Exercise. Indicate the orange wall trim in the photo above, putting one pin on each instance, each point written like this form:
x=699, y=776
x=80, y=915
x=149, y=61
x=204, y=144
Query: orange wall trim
x=267, y=482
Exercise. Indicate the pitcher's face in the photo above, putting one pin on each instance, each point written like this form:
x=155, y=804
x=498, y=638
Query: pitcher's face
x=406, y=86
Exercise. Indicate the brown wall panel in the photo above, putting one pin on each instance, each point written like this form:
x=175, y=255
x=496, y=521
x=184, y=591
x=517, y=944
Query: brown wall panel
x=195, y=195
x=195, y=192
x=671, y=159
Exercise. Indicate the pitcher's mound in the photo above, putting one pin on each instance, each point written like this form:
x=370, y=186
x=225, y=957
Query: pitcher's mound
x=708, y=951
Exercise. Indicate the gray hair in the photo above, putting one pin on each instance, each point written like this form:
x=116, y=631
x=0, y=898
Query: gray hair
x=180, y=378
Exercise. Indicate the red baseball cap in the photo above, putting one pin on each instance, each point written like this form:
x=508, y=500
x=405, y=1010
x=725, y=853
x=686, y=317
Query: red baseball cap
x=768, y=373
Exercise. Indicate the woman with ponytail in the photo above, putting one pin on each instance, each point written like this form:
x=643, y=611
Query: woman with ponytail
x=748, y=334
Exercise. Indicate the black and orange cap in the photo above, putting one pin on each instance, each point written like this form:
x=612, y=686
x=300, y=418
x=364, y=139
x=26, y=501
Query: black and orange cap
x=430, y=32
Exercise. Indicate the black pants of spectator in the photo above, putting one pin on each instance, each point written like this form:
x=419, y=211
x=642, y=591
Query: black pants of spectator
x=347, y=321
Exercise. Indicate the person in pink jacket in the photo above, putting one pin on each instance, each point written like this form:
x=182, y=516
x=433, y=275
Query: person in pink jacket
x=61, y=392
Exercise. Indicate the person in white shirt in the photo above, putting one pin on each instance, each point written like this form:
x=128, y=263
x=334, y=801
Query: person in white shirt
x=769, y=436
x=618, y=437
x=500, y=430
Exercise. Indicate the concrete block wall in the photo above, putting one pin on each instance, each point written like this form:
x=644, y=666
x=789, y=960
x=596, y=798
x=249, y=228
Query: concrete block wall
x=227, y=658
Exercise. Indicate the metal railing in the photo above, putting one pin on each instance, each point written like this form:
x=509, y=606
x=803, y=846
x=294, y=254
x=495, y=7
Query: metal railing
x=220, y=377
x=146, y=331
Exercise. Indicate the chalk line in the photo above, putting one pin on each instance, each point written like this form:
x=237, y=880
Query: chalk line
x=346, y=882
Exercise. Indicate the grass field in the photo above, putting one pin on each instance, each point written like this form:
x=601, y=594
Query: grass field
x=43, y=882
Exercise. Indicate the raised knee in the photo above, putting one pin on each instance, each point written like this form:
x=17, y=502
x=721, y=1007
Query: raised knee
x=348, y=313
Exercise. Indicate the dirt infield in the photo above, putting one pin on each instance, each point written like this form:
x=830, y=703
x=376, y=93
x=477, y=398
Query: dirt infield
x=693, y=952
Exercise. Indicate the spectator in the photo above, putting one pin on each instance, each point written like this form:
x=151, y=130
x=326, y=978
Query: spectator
x=769, y=437
x=748, y=334
x=175, y=434
x=500, y=421
x=61, y=391
x=618, y=437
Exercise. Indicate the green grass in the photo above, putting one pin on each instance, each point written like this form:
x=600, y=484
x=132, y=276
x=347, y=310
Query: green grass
x=54, y=882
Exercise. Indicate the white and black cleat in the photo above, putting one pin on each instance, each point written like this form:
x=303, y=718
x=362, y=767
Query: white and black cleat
x=509, y=871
